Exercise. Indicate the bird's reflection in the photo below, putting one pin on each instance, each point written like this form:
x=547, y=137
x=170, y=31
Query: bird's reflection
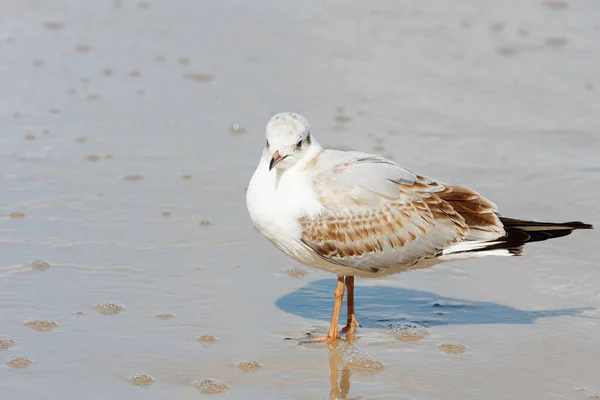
x=340, y=386
x=344, y=357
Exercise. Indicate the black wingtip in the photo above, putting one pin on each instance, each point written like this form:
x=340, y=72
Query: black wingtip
x=580, y=225
x=535, y=225
x=520, y=232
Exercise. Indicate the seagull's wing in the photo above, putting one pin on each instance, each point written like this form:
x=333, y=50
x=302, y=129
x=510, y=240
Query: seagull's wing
x=379, y=215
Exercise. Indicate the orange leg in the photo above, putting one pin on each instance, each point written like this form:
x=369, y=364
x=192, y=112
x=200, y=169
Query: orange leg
x=337, y=307
x=333, y=333
x=351, y=323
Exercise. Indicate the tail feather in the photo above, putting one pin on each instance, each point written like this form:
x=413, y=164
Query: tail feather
x=518, y=233
x=539, y=231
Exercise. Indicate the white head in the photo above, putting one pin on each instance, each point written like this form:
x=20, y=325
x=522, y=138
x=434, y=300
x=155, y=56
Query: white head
x=289, y=140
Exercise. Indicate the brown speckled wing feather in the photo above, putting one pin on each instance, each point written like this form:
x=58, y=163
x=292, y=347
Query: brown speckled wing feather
x=480, y=214
x=373, y=225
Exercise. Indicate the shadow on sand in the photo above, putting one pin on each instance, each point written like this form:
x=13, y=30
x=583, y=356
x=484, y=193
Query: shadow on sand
x=380, y=306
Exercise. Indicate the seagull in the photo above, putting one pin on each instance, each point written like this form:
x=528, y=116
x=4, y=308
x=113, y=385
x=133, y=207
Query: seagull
x=359, y=214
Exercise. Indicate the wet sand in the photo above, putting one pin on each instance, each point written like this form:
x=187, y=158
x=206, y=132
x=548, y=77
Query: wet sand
x=131, y=270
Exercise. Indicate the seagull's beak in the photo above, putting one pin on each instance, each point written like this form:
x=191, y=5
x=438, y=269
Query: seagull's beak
x=276, y=158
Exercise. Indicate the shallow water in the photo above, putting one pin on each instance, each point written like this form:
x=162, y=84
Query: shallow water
x=130, y=131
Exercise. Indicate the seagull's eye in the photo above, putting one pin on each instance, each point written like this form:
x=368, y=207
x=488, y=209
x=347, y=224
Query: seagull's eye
x=299, y=144
x=268, y=145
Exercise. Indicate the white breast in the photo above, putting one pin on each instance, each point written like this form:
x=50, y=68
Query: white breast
x=275, y=201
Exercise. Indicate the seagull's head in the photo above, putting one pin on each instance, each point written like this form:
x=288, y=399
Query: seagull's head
x=289, y=140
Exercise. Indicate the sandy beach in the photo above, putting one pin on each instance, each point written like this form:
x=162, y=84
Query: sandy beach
x=130, y=268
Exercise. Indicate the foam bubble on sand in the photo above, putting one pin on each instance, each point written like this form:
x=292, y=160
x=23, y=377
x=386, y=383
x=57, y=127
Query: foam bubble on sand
x=40, y=265
x=141, y=380
x=408, y=331
x=6, y=343
x=41, y=325
x=452, y=348
x=296, y=272
x=249, y=366
x=109, y=308
x=20, y=362
x=211, y=386
x=206, y=339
